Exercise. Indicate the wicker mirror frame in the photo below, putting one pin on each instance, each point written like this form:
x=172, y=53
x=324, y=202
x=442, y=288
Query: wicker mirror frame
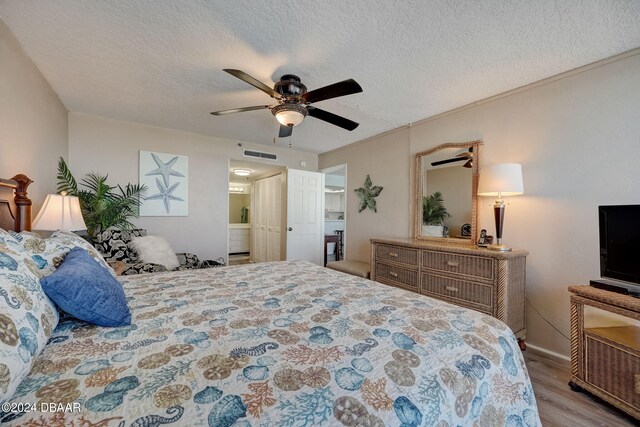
x=417, y=215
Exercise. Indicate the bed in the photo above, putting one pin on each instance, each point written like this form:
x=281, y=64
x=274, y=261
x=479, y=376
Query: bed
x=276, y=344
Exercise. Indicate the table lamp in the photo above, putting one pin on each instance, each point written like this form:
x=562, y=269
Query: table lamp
x=503, y=179
x=60, y=212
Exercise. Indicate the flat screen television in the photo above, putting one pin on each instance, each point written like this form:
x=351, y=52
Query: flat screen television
x=620, y=243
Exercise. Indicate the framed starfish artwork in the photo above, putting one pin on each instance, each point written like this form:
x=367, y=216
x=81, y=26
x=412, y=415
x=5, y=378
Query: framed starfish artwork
x=167, y=179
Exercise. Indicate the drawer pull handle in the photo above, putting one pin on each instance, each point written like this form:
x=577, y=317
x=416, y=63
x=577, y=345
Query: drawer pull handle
x=451, y=289
x=453, y=263
x=392, y=274
x=393, y=254
x=637, y=383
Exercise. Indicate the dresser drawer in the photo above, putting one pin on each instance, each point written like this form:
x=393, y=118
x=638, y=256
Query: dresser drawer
x=239, y=240
x=468, y=265
x=397, y=276
x=238, y=235
x=603, y=358
x=479, y=296
x=406, y=256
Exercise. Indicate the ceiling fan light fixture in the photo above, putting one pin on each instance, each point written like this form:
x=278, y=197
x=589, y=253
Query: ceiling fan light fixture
x=242, y=172
x=289, y=114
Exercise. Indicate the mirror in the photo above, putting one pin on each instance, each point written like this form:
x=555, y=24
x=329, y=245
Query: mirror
x=445, y=193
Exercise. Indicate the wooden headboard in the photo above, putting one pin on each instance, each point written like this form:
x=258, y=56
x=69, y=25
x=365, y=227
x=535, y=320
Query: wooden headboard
x=13, y=198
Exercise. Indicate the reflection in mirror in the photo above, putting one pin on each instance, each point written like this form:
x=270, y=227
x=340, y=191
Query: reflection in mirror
x=445, y=198
x=239, y=208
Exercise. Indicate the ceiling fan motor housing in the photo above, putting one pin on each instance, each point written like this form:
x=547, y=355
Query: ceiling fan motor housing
x=290, y=86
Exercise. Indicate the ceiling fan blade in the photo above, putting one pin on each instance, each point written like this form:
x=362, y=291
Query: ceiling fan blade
x=345, y=87
x=285, y=131
x=444, y=162
x=334, y=119
x=253, y=82
x=239, y=110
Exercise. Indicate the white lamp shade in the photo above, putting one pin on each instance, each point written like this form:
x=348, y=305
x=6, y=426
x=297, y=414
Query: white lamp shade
x=503, y=179
x=289, y=117
x=60, y=213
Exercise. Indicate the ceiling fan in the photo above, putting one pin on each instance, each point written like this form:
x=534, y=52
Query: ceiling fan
x=294, y=102
x=468, y=156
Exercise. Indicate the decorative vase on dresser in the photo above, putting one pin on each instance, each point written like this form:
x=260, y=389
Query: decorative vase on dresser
x=487, y=281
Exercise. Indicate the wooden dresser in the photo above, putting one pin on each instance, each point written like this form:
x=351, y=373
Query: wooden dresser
x=488, y=281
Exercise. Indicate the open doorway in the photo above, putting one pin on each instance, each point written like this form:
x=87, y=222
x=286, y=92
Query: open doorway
x=255, y=204
x=335, y=212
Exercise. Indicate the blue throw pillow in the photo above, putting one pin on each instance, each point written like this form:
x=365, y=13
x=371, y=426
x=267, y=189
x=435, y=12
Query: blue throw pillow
x=87, y=291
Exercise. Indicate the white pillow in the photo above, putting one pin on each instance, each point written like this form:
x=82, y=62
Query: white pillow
x=156, y=250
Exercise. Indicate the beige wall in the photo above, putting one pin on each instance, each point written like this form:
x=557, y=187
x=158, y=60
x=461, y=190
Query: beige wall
x=454, y=183
x=578, y=140
x=112, y=146
x=386, y=160
x=33, y=121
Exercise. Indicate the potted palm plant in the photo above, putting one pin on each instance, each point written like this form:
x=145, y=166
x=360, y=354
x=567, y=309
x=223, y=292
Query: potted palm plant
x=102, y=205
x=433, y=215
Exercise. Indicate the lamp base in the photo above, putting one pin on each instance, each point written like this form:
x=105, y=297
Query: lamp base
x=499, y=248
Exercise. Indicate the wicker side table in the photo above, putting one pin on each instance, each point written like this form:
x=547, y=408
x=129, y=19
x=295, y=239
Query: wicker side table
x=605, y=361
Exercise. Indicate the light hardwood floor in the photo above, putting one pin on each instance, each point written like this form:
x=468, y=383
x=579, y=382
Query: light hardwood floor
x=239, y=259
x=559, y=405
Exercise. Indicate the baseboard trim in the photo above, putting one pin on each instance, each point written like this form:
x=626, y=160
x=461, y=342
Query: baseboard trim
x=552, y=354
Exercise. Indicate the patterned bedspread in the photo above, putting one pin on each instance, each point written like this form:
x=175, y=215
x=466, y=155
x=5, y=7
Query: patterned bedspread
x=279, y=344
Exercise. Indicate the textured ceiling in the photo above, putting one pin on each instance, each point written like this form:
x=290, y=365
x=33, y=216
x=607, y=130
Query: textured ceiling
x=160, y=62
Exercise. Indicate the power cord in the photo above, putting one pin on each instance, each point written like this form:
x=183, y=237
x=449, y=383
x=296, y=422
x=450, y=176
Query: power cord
x=545, y=319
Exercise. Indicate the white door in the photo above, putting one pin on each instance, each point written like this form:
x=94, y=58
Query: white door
x=259, y=220
x=274, y=217
x=305, y=219
x=267, y=216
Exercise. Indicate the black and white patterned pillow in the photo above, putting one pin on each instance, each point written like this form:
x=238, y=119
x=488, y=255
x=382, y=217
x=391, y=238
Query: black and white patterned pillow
x=188, y=261
x=113, y=244
x=143, y=267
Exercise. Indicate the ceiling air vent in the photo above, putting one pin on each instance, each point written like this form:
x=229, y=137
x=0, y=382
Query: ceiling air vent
x=260, y=155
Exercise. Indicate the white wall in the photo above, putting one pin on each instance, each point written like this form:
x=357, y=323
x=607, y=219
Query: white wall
x=334, y=180
x=112, y=146
x=578, y=140
x=33, y=121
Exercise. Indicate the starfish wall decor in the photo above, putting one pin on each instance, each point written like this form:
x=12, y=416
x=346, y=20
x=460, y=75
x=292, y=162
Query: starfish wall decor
x=164, y=169
x=368, y=195
x=168, y=175
x=165, y=195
